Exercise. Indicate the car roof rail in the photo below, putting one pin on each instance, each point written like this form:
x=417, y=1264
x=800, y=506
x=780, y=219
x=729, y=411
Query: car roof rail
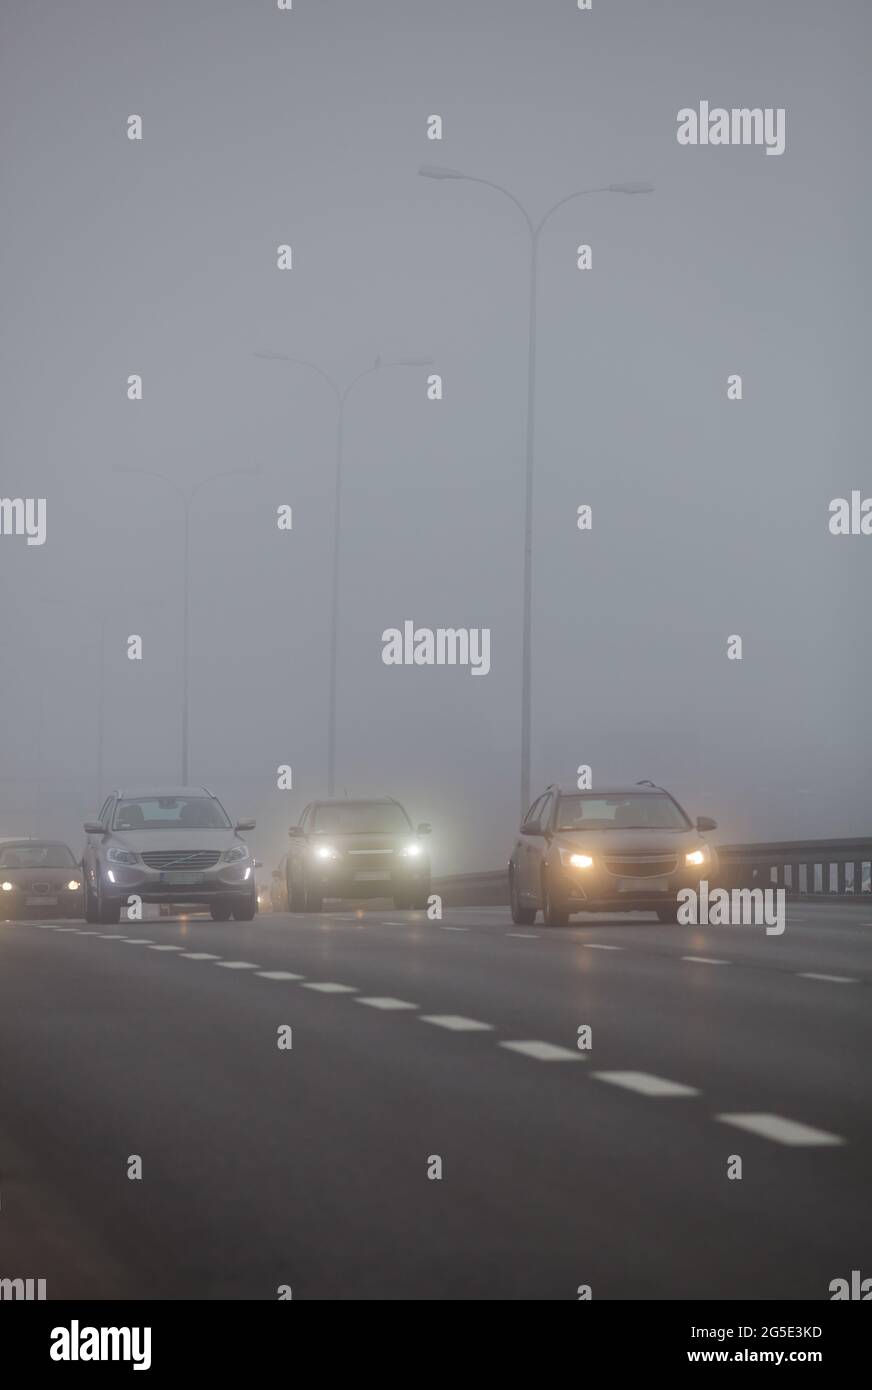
x=646, y=783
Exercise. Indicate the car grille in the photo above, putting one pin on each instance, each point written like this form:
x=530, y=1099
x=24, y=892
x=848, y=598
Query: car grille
x=39, y=888
x=640, y=867
x=181, y=858
x=370, y=860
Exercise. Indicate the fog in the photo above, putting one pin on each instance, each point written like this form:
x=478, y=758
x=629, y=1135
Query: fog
x=710, y=516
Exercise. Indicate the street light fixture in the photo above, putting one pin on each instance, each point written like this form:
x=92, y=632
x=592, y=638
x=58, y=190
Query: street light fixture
x=341, y=395
x=438, y=171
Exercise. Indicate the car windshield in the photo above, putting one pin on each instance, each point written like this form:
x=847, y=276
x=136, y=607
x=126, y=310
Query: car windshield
x=35, y=856
x=170, y=813
x=627, y=811
x=361, y=818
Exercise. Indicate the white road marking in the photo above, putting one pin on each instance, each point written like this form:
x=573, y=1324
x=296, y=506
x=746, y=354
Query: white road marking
x=393, y=924
x=833, y=979
x=138, y=941
x=89, y=933
x=279, y=975
x=116, y=936
x=236, y=965
x=595, y=946
x=457, y=1024
x=705, y=960
x=544, y=1051
x=197, y=955
x=527, y=935
x=645, y=1084
x=166, y=948
x=75, y=929
x=328, y=987
x=385, y=1003
x=455, y=928
x=779, y=1129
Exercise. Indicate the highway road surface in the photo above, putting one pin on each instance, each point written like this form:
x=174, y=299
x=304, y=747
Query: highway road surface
x=310, y=1167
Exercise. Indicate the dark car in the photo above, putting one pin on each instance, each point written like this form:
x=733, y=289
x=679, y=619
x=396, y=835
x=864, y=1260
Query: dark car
x=356, y=849
x=626, y=849
x=39, y=878
x=168, y=845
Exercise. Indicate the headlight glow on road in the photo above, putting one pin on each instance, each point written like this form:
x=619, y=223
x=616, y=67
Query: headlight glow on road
x=696, y=856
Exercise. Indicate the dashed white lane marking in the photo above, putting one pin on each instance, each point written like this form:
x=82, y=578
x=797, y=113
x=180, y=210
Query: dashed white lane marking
x=596, y=946
x=833, y=979
x=705, y=960
x=455, y=928
x=279, y=975
x=544, y=1051
x=236, y=965
x=527, y=935
x=75, y=929
x=166, y=948
x=328, y=987
x=197, y=955
x=645, y=1084
x=113, y=936
x=393, y=924
x=89, y=933
x=385, y=1003
x=138, y=941
x=782, y=1131
x=457, y=1024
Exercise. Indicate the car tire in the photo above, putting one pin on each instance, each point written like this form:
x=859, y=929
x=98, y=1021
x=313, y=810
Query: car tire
x=246, y=912
x=554, y=914
x=314, y=901
x=521, y=916
x=296, y=895
x=92, y=911
x=221, y=911
x=401, y=902
x=668, y=914
x=109, y=911
x=420, y=901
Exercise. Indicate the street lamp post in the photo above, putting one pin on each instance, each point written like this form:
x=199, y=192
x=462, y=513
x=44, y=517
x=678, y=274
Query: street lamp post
x=341, y=395
x=431, y=171
x=187, y=495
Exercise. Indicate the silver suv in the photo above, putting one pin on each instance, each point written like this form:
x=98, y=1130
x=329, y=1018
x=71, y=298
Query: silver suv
x=172, y=844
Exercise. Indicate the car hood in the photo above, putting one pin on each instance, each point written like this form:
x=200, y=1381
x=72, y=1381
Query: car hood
x=140, y=840
x=631, y=841
x=375, y=840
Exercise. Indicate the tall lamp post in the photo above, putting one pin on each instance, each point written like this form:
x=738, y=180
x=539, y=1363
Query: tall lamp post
x=534, y=229
x=341, y=395
x=187, y=495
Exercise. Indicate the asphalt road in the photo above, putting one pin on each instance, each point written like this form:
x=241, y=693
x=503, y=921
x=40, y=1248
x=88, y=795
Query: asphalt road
x=308, y=1167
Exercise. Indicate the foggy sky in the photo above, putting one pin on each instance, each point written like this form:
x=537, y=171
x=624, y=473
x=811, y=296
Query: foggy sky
x=710, y=517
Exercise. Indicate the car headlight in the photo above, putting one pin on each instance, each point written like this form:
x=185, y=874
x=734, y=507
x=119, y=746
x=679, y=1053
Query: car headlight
x=410, y=851
x=73, y=885
x=7, y=886
x=575, y=860
x=325, y=852
x=696, y=856
x=121, y=856
x=233, y=855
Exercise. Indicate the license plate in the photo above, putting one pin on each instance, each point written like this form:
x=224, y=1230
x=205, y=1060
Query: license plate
x=371, y=876
x=37, y=899
x=176, y=876
x=640, y=885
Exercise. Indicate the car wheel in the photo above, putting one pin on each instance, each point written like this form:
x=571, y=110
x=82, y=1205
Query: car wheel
x=92, y=912
x=245, y=912
x=554, y=913
x=401, y=902
x=108, y=911
x=221, y=911
x=521, y=916
x=296, y=894
x=313, y=901
x=421, y=900
x=668, y=914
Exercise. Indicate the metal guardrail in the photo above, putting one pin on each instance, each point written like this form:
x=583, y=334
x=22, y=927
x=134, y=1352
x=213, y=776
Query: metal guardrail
x=804, y=868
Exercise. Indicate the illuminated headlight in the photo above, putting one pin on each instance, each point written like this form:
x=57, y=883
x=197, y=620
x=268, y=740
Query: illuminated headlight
x=73, y=885
x=120, y=856
x=235, y=854
x=325, y=852
x=410, y=851
x=696, y=856
x=575, y=860
x=7, y=886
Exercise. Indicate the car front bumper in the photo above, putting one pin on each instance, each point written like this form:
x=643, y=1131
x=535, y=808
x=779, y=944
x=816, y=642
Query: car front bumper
x=160, y=886
x=597, y=890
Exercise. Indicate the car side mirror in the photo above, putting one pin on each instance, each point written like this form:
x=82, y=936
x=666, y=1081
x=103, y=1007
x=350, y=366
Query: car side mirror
x=424, y=828
x=706, y=823
x=296, y=832
x=245, y=825
x=533, y=828
x=93, y=827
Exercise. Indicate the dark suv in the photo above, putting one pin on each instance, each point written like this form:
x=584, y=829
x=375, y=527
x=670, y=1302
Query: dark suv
x=625, y=849
x=356, y=849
